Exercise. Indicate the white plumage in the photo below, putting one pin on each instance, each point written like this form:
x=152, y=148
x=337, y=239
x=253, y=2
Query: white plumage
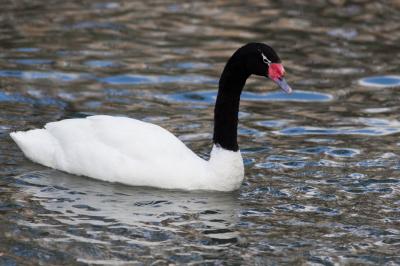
x=129, y=151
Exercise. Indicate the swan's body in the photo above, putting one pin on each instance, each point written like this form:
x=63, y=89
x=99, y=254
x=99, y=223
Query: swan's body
x=128, y=151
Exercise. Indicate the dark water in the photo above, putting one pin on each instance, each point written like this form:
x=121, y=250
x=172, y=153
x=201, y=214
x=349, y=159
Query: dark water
x=322, y=165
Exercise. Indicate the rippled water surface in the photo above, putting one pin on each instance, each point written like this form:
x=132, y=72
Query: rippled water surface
x=322, y=165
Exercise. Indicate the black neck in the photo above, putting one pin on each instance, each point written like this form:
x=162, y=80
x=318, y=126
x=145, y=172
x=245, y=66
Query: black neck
x=226, y=110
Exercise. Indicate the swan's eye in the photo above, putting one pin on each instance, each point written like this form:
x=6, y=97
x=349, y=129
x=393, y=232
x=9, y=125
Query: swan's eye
x=265, y=59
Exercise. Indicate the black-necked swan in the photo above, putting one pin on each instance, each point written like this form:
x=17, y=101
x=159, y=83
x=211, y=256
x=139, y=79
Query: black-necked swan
x=132, y=152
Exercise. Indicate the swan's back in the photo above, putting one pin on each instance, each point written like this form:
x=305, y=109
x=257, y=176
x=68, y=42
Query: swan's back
x=131, y=137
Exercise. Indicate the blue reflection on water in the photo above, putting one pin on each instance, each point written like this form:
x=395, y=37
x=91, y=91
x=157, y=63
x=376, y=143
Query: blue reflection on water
x=97, y=25
x=208, y=97
x=32, y=61
x=381, y=81
x=27, y=49
x=115, y=80
x=100, y=63
x=343, y=152
x=296, y=96
x=31, y=75
x=152, y=79
x=191, y=65
x=17, y=98
x=6, y=97
x=372, y=131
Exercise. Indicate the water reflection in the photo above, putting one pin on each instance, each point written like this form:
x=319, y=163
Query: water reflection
x=372, y=126
x=381, y=81
x=372, y=131
x=322, y=164
x=32, y=75
x=210, y=96
x=142, y=79
x=130, y=215
x=80, y=200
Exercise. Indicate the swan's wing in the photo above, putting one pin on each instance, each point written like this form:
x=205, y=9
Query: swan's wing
x=115, y=149
x=132, y=138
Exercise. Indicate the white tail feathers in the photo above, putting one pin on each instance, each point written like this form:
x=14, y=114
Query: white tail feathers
x=38, y=145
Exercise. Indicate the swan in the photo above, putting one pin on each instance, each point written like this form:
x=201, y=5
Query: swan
x=132, y=152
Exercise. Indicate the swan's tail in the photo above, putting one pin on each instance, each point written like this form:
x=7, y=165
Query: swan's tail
x=37, y=144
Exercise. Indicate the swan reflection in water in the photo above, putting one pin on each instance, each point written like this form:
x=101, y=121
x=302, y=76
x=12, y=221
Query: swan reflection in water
x=153, y=214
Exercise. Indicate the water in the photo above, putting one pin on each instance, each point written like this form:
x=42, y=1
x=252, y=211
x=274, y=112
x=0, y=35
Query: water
x=322, y=165
x=381, y=81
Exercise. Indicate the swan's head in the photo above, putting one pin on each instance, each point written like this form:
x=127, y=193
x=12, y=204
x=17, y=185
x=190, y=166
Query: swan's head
x=262, y=60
